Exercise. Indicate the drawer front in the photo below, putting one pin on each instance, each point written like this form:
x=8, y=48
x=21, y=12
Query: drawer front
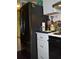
x=42, y=57
x=42, y=44
x=43, y=52
x=42, y=37
x=40, y=49
x=46, y=50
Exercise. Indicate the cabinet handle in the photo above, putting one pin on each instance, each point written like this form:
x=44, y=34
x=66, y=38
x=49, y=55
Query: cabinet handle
x=41, y=46
x=42, y=57
x=41, y=37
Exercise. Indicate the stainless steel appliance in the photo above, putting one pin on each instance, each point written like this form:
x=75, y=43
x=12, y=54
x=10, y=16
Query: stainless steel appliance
x=31, y=19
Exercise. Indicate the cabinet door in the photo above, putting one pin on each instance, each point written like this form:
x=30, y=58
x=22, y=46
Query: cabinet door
x=41, y=36
x=40, y=49
x=43, y=52
x=46, y=50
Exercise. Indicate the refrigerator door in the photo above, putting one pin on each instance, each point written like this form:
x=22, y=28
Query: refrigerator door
x=31, y=19
x=36, y=20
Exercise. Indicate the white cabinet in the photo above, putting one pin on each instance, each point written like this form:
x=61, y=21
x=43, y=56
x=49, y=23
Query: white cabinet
x=42, y=46
x=42, y=50
x=47, y=6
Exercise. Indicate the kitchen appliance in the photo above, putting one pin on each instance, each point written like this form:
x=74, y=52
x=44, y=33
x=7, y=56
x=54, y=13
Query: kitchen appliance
x=31, y=19
x=54, y=47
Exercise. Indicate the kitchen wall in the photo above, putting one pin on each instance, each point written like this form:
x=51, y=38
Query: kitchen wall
x=47, y=6
x=18, y=31
x=55, y=17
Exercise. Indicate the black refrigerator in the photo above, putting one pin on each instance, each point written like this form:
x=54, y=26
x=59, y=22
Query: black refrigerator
x=31, y=19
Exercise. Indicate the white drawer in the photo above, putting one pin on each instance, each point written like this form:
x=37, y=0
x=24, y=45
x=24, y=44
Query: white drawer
x=41, y=57
x=40, y=49
x=40, y=44
x=43, y=52
x=42, y=37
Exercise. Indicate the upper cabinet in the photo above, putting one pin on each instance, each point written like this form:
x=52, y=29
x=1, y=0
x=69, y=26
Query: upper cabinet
x=47, y=6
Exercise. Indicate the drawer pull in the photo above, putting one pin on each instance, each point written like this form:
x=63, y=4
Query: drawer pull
x=42, y=57
x=41, y=46
x=41, y=37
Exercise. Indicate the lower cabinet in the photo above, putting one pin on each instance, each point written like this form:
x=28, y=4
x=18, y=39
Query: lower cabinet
x=48, y=47
x=42, y=49
x=42, y=46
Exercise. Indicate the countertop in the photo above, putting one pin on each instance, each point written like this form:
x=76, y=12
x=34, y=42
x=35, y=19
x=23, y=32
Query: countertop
x=55, y=35
x=50, y=34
